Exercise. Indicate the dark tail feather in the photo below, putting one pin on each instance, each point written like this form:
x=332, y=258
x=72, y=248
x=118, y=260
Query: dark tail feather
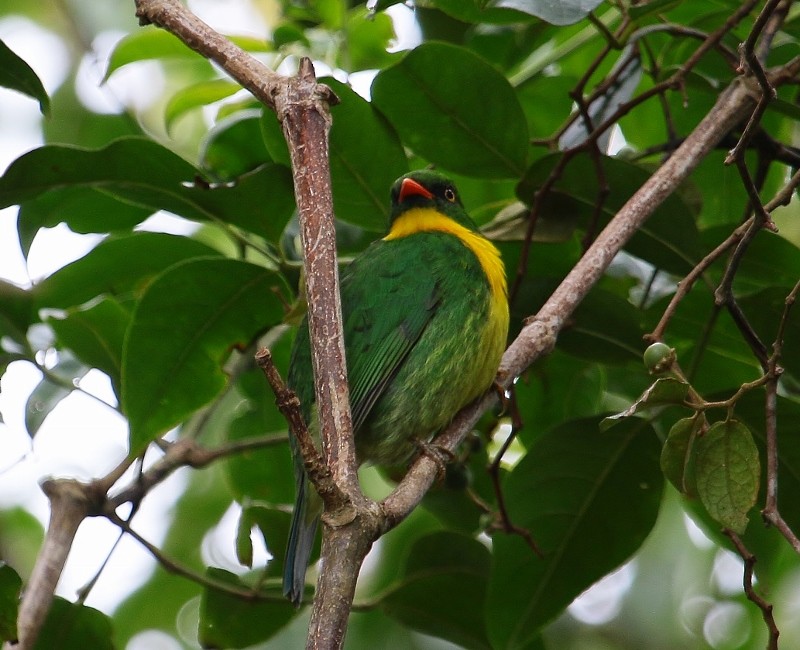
x=301, y=541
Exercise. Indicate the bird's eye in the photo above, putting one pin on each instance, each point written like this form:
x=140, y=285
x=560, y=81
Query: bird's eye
x=450, y=194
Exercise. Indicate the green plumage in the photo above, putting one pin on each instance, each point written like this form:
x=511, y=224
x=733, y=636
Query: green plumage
x=418, y=319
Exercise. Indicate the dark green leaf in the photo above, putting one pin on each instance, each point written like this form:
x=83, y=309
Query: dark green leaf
x=230, y=622
x=727, y=472
x=16, y=306
x=677, y=455
x=234, y=146
x=118, y=266
x=479, y=11
x=666, y=390
x=568, y=487
x=51, y=390
x=366, y=158
x=558, y=388
x=201, y=309
x=10, y=588
x=74, y=627
x=443, y=589
x=563, y=12
x=436, y=99
x=95, y=334
x=605, y=328
x=142, y=172
x=18, y=75
x=668, y=239
x=83, y=209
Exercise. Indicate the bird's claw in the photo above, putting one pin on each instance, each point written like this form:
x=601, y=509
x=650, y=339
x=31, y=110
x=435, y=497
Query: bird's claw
x=438, y=454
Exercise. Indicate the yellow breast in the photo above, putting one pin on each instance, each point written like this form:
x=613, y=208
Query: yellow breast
x=429, y=220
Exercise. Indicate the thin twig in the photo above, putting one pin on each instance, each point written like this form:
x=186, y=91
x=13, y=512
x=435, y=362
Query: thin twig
x=173, y=566
x=749, y=561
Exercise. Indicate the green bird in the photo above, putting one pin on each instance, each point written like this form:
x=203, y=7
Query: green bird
x=425, y=318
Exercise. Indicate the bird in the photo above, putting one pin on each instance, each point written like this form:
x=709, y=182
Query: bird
x=425, y=318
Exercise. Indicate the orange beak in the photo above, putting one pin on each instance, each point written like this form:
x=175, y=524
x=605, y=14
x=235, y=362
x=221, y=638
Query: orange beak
x=410, y=187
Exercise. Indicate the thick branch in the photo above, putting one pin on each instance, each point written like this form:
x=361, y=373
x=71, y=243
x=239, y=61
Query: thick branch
x=70, y=503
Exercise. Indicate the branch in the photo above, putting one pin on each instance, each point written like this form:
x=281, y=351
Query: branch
x=70, y=503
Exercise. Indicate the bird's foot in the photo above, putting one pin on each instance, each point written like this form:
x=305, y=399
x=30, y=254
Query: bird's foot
x=438, y=454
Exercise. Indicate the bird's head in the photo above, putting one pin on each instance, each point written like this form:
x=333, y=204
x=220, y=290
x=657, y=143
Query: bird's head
x=428, y=189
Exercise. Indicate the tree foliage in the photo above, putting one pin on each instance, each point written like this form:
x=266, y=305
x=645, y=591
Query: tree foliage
x=550, y=116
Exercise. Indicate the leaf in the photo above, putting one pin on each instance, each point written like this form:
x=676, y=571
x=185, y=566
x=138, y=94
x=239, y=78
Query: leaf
x=234, y=146
x=197, y=95
x=95, y=334
x=230, y=622
x=74, y=627
x=669, y=239
x=604, y=328
x=727, y=472
x=436, y=99
x=181, y=332
x=10, y=589
x=118, y=266
x=154, y=43
x=677, y=455
x=83, y=209
x=267, y=474
x=366, y=158
x=561, y=12
x=17, y=75
x=665, y=390
x=49, y=392
x=567, y=488
x=443, y=588
x=142, y=172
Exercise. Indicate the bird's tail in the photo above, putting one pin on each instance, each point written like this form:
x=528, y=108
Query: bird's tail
x=307, y=511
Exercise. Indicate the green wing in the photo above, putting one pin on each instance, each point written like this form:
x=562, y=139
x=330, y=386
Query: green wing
x=388, y=298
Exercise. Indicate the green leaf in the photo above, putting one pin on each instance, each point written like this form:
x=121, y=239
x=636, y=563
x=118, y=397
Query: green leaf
x=267, y=474
x=83, y=209
x=366, y=158
x=563, y=12
x=230, y=622
x=234, y=146
x=677, y=455
x=568, y=487
x=95, y=334
x=118, y=266
x=18, y=75
x=436, y=99
x=604, y=328
x=196, y=96
x=443, y=589
x=727, y=472
x=665, y=390
x=668, y=239
x=49, y=392
x=155, y=43
x=182, y=330
x=142, y=172
x=369, y=36
x=74, y=627
x=556, y=389
x=10, y=588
